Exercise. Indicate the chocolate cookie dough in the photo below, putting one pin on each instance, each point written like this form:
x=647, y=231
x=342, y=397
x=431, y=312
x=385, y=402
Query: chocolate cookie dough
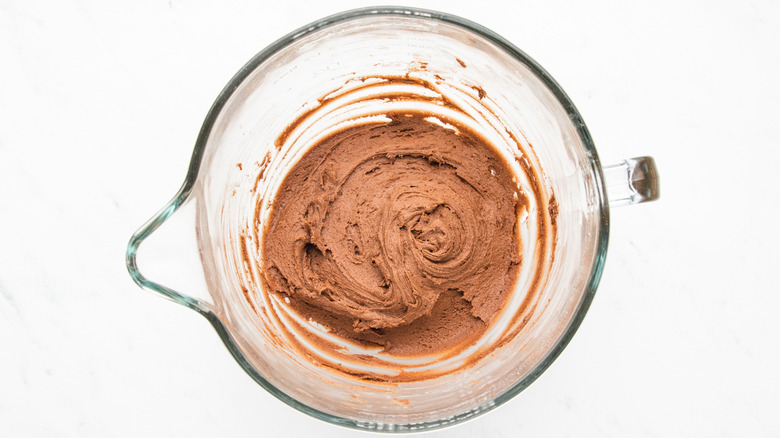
x=400, y=235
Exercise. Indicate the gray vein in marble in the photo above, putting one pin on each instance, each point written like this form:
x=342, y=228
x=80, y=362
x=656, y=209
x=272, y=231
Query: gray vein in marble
x=6, y=294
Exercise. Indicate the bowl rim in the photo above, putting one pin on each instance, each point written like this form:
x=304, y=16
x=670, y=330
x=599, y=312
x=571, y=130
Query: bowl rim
x=211, y=315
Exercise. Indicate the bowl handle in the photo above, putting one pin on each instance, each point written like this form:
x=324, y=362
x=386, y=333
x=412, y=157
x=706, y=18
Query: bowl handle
x=631, y=181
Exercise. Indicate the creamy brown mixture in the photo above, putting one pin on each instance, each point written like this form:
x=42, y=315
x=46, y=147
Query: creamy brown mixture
x=400, y=234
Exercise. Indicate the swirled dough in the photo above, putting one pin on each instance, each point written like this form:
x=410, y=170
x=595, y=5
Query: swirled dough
x=399, y=234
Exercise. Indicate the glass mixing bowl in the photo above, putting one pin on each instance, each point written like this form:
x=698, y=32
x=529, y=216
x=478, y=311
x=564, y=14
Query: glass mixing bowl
x=239, y=161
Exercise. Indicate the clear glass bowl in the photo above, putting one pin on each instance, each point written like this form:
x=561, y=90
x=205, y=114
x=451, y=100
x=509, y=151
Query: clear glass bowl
x=505, y=91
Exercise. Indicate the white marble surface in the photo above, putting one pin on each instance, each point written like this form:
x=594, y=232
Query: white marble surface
x=101, y=102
